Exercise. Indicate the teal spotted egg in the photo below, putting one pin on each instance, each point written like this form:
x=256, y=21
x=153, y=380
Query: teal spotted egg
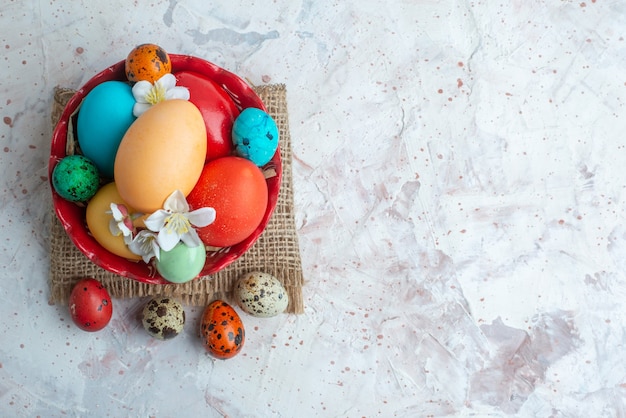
x=255, y=136
x=75, y=178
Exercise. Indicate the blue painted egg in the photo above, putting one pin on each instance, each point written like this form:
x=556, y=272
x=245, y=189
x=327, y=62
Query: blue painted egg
x=103, y=118
x=255, y=136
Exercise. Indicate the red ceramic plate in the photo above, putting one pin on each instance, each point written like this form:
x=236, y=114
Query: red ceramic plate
x=72, y=215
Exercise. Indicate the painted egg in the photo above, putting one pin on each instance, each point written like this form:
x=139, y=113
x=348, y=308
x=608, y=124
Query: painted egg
x=221, y=330
x=90, y=305
x=147, y=62
x=99, y=217
x=75, y=178
x=104, y=116
x=163, y=318
x=237, y=190
x=255, y=136
x=217, y=108
x=163, y=151
x=182, y=263
x=261, y=294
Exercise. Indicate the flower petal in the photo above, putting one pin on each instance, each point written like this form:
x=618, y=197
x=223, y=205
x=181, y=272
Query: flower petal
x=144, y=244
x=167, y=81
x=114, y=228
x=167, y=239
x=177, y=93
x=191, y=238
x=176, y=202
x=201, y=217
x=128, y=239
x=156, y=221
x=140, y=90
x=116, y=212
x=155, y=249
x=140, y=108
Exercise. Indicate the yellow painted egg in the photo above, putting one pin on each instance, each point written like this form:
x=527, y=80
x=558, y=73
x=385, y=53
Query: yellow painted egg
x=99, y=216
x=162, y=151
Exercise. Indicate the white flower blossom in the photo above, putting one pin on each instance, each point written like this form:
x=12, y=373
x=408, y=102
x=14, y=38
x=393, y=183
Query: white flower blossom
x=147, y=94
x=145, y=245
x=122, y=223
x=175, y=223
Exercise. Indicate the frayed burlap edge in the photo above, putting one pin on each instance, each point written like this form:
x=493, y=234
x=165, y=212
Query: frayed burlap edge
x=276, y=252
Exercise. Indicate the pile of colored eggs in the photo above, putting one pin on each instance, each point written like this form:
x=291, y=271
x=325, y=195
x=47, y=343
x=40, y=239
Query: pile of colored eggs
x=155, y=153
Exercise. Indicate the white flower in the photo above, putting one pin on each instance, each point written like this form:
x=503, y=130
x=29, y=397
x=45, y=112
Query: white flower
x=145, y=245
x=147, y=94
x=175, y=223
x=122, y=223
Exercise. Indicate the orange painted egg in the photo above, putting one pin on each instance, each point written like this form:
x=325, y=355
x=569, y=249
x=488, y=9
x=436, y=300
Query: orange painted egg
x=221, y=330
x=162, y=151
x=147, y=62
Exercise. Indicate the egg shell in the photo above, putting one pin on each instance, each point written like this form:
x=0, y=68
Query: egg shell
x=98, y=216
x=90, y=304
x=147, y=62
x=182, y=263
x=222, y=330
x=255, y=136
x=163, y=151
x=237, y=190
x=75, y=178
x=103, y=118
x=163, y=318
x=261, y=294
x=218, y=111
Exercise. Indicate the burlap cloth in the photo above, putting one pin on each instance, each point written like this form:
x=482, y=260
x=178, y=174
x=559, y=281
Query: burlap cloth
x=276, y=252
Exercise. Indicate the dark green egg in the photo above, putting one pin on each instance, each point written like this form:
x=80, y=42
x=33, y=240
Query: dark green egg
x=75, y=178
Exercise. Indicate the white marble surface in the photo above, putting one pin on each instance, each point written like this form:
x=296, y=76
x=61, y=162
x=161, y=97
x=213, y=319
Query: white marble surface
x=460, y=203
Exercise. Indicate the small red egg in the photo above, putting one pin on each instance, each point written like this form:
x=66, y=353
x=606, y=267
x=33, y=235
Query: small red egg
x=218, y=111
x=237, y=190
x=221, y=330
x=90, y=305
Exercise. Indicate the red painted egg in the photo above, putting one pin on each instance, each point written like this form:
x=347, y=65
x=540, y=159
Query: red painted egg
x=221, y=330
x=90, y=305
x=217, y=108
x=236, y=189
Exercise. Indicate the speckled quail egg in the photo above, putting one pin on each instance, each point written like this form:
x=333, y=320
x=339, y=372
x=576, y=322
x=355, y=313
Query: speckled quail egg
x=261, y=294
x=163, y=318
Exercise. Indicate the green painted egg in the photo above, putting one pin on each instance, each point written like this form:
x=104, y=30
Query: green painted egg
x=75, y=178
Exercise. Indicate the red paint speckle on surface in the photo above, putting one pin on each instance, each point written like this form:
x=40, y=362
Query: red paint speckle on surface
x=459, y=83
x=8, y=121
x=440, y=91
x=460, y=64
x=80, y=50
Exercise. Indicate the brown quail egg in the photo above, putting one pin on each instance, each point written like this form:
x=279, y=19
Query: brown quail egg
x=261, y=294
x=163, y=318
